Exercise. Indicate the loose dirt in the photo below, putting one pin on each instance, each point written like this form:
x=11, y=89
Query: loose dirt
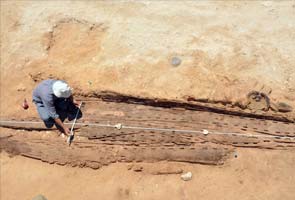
x=262, y=174
x=236, y=75
x=227, y=49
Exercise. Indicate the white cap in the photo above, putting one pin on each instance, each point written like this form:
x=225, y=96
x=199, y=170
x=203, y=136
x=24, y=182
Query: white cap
x=61, y=89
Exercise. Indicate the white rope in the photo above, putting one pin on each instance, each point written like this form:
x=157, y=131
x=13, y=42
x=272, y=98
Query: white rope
x=159, y=129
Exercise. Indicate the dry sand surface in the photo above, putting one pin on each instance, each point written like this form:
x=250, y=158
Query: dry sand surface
x=262, y=175
x=226, y=48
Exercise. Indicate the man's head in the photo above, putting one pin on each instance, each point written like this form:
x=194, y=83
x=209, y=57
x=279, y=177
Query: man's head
x=61, y=89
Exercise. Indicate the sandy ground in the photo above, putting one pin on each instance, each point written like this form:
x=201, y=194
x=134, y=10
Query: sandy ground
x=261, y=174
x=227, y=49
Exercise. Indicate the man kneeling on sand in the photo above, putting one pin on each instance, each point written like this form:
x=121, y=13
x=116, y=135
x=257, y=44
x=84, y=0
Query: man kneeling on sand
x=55, y=103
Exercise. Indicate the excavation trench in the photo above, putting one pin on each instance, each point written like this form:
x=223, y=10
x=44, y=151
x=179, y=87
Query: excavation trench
x=150, y=131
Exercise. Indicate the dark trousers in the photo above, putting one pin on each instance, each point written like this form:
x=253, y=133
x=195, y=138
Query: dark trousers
x=65, y=109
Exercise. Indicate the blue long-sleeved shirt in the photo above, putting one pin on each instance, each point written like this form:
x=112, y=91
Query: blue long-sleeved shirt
x=43, y=94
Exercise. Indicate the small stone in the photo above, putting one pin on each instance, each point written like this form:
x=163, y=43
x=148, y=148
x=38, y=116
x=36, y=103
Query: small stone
x=118, y=126
x=137, y=168
x=175, y=61
x=39, y=197
x=205, y=132
x=283, y=107
x=187, y=176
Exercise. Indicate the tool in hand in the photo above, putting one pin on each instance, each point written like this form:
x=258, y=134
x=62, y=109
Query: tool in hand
x=71, y=136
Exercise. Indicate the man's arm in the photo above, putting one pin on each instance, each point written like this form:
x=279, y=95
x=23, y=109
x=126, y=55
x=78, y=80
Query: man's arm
x=62, y=125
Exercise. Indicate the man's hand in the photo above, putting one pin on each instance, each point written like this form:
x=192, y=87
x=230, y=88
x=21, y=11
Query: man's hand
x=67, y=131
x=63, y=126
x=76, y=103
